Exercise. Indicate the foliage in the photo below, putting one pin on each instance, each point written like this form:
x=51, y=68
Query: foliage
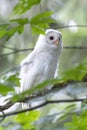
x=78, y=122
x=27, y=119
x=9, y=29
x=38, y=23
x=25, y=5
x=8, y=82
x=76, y=73
x=41, y=21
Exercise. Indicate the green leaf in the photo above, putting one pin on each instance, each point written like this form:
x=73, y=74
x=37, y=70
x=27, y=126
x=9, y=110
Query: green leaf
x=27, y=119
x=4, y=89
x=10, y=30
x=3, y=26
x=20, y=20
x=11, y=79
x=40, y=22
x=8, y=82
x=13, y=30
x=18, y=28
x=13, y=26
x=2, y=33
x=76, y=73
x=24, y=5
x=37, y=29
x=79, y=121
x=40, y=18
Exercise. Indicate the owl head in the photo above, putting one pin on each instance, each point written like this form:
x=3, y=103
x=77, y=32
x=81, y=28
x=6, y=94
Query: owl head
x=51, y=40
x=53, y=37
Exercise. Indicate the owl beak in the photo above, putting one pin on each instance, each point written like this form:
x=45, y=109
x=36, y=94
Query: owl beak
x=56, y=42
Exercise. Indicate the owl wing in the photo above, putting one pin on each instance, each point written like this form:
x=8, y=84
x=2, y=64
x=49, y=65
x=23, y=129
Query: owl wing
x=29, y=73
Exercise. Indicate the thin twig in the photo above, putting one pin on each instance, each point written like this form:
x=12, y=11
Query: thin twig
x=70, y=26
x=42, y=105
x=8, y=47
x=30, y=49
x=7, y=54
x=75, y=47
x=15, y=49
x=14, y=52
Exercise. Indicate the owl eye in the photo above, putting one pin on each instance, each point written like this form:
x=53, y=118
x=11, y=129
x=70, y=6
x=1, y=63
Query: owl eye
x=59, y=38
x=51, y=37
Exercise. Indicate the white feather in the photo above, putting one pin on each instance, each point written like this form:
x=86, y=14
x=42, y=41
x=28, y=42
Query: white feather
x=41, y=63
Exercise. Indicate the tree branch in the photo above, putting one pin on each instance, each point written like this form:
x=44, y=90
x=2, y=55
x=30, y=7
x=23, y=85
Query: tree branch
x=42, y=105
x=55, y=88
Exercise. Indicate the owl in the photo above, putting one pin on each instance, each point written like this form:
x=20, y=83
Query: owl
x=41, y=64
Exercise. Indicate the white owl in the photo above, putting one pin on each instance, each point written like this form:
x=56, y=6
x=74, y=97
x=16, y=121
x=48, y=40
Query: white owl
x=41, y=63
